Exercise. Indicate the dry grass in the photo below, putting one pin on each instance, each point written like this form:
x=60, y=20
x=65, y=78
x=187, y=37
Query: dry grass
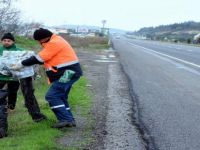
x=86, y=41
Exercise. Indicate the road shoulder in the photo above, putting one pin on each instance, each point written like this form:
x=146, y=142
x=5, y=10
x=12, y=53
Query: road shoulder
x=110, y=124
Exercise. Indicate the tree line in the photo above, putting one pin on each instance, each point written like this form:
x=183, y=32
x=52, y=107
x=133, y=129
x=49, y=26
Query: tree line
x=10, y=20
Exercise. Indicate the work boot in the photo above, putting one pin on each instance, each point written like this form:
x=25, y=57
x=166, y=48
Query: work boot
x=11, y=107
x=63, y=124
x=39, y=117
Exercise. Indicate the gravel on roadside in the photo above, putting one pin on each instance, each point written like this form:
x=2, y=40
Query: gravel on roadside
x=112, y=110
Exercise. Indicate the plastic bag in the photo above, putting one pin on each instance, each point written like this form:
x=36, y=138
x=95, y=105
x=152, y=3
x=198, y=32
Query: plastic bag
x=66, y=77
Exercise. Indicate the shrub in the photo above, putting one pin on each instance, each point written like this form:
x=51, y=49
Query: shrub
x=84, y=42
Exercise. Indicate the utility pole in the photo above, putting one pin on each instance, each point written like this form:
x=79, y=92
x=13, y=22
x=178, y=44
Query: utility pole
x=103, y=27
x=103, y=23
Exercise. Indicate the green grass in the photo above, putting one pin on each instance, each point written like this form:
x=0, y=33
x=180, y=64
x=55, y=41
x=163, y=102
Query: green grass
x=24, y=134
x=26, y=43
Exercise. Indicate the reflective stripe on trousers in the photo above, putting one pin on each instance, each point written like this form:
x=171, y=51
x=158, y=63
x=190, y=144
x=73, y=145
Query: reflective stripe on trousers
x=57, y=97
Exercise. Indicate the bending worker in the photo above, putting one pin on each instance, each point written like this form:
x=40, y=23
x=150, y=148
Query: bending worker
x=62, y=69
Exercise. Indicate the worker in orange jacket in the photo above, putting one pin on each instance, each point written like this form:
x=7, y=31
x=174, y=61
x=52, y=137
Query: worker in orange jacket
x=62, y=69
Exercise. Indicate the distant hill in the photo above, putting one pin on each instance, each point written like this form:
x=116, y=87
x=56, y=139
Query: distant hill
x=178, y=31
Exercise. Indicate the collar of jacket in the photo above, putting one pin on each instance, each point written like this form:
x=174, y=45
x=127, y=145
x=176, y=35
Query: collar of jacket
x=10, y=47
x=43, y=44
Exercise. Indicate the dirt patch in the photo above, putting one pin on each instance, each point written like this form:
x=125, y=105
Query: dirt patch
x=112, y=106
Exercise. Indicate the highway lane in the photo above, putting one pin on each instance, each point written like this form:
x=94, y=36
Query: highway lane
x=185, y=52
x=166, y=84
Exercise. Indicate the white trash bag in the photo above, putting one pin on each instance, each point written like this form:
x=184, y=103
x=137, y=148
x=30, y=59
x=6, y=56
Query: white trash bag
x=11, y=58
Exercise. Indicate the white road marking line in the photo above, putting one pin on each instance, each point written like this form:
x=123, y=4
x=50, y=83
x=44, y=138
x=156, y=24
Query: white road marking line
x=106, y=61
x=174, y=58
x=111, y=56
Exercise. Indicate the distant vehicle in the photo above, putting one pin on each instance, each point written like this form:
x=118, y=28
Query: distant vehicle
x=117, y=37
x=91, y=35
x=196, y=39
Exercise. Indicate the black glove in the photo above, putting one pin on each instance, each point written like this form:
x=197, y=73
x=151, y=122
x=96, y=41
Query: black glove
x=6, y=71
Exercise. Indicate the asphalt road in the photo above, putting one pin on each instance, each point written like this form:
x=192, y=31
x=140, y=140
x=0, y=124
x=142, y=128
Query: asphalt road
x=165, y=79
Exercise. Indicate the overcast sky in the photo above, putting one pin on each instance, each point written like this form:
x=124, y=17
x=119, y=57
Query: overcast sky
x=122, y=14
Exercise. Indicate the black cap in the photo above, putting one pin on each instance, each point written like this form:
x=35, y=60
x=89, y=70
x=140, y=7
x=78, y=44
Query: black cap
x=41, y=34
x=8, y=36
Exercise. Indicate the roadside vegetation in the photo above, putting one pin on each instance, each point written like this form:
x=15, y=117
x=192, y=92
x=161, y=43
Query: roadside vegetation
x=26, y=43
x=24, y=134
x=87, y=42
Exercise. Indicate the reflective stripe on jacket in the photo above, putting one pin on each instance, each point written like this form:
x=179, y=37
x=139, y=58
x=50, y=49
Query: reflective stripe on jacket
x=57, y=52
x=58, y=56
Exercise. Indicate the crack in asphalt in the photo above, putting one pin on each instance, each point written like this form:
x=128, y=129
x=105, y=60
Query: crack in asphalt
x=147, y=139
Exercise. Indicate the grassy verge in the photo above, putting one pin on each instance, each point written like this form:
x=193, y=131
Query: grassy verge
x=24, y=134
x=87, y=42
x=26, y=43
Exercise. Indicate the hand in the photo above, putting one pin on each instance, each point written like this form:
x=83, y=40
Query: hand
x=16, y=66
x=6, y=71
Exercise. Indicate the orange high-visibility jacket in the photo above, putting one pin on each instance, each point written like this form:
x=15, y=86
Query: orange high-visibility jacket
x=58, y=56
x=57, y=53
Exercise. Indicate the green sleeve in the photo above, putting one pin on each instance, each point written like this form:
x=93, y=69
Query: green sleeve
x=1, y=50
x=19, y=48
